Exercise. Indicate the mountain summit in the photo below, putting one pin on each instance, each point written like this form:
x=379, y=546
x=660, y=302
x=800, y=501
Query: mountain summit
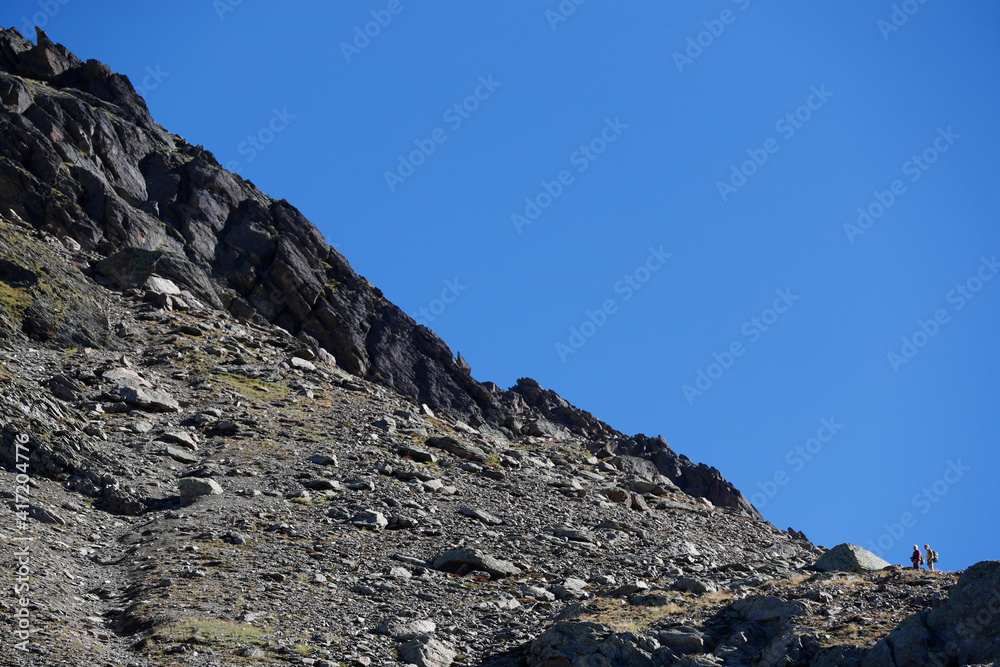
x=222, y=446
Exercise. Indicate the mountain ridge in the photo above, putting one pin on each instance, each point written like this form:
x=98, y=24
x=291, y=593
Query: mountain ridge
x=147, y=202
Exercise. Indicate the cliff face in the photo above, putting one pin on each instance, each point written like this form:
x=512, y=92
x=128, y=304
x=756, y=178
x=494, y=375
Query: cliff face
x=83, y=160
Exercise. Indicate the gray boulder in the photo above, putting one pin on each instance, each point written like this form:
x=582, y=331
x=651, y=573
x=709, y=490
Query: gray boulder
x=425, y=651
x=406, y=629
x=682, y=639
x=586, y=644
x=370, y=520
x=150, y=400
x=192, y=487
x=849, y=558
x=463, y=450
x=480, y=515
x=465, y=560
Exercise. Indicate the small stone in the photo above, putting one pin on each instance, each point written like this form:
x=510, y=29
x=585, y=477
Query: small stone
x=537, y=593
x=181, y=455
x=370, y=520
x=323, y=485
x=405, y=630
x=302, y=364
x=571, y=589
x=180, y=438
x=361, y=485
x=480, y=515
x=46, y=515
x=692, y=585
x=223, y=427
x=386, y=424
x=192, y=487
x=150, y=400
x=417, y=454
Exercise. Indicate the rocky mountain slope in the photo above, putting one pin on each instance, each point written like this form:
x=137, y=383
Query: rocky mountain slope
x=221, y=446
x=83, y=161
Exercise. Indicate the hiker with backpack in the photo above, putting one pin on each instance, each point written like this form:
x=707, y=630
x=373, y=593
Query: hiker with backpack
x=917, y=558
x=932, y=557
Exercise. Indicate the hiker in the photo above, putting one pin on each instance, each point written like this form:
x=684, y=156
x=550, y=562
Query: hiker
x=932, y=557
x=917, y=558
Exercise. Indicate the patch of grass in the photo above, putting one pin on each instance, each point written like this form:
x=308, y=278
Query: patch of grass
x=845, y=635
x=14, y=301
x=713, y=599
x=623, y=617
x=790, y=582
x=251, y=389
x=214, y=632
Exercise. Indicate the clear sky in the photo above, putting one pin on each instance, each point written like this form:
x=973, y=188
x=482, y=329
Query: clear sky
x=741, y=209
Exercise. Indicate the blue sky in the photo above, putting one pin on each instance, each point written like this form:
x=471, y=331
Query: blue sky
x=737, y=137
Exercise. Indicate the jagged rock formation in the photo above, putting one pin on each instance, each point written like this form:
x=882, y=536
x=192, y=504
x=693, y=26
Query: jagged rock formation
x=84, y=161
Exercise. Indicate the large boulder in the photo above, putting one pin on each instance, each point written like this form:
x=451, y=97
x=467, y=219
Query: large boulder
x=425, y=651
x=849, y=558
x=585, y=644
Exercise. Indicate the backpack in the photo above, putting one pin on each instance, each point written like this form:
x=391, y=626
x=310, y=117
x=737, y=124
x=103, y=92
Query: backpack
x=932, y=556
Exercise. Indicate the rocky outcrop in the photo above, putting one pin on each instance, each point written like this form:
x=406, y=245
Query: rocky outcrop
x=965, y=630
x=698, y=480
x=85, y=162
